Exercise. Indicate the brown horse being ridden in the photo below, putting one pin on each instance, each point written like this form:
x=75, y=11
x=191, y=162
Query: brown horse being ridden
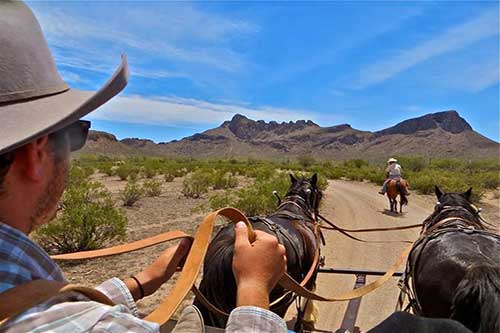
x=397, y=187
x=394, y=185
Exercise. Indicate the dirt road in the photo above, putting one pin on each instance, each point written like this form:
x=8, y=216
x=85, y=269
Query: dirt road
x=357, y=205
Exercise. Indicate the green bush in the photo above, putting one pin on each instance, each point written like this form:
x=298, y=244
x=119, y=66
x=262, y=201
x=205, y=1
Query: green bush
x=89, y=220
x=305, y=161
x=125, y=171
x=131, y=194
x=224, y=180
x=196, y=184
x=169, y=177
x=152, y=188
x=254, y=200
x=107, y=169
x=357, y=163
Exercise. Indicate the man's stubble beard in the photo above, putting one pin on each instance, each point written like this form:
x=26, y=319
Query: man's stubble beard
x=46, y=206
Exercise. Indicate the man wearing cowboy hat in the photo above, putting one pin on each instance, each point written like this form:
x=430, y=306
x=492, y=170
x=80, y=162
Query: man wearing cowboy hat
x=39, y=126
x=393, y=171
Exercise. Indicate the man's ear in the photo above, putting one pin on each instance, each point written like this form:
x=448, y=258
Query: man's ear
x=468, y=194
x=438, y=192
x=30, y=159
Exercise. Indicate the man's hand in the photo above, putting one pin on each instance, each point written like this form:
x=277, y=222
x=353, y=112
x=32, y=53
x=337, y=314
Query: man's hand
x=257, y=267
x=160, y=271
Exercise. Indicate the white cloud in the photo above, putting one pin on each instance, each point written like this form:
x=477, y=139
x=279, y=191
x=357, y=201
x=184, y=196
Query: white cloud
x=185, y=112
x=181, y=37
x=458, y=37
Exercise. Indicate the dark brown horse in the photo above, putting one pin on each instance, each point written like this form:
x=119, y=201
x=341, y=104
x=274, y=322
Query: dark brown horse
x=293, y=224
x=453, y=270
x=397, y=187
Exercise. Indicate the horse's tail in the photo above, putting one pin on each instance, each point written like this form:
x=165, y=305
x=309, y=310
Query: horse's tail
x=476, y=303
x=402, y=193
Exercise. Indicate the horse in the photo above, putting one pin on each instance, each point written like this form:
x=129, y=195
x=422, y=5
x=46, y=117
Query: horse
x=395, y=187
x=453, y=270
x=294, y=223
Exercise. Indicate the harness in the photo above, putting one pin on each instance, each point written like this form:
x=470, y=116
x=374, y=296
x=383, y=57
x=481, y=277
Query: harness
x=430, y=232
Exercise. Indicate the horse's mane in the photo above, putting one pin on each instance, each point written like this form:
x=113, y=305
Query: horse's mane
x=454, y=205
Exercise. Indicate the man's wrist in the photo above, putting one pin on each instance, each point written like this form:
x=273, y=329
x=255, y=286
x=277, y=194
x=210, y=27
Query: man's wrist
x=252, y=294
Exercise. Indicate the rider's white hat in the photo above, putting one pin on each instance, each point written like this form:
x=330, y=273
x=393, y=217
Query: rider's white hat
x=392, y=160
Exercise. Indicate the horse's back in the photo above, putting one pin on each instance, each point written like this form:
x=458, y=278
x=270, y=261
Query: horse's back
x=443, y=261
x=218, y=283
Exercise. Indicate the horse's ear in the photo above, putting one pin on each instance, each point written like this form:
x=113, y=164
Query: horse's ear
x=468, y=194
x=314, y=180
x=293, y=179
x=438, y=192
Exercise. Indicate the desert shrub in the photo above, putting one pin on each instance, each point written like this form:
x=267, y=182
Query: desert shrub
x=149, y=171
x=221, y=200
x=305, y=161
x=125, y=171
x=169, y=177
x=256, y=199
x=131, y=194
x=77, y=174
x=107, y=169
x=413, y=163
x=224, y=180
x=356, y=163
x=89, y=220
x=151, y=188
x=196, y=184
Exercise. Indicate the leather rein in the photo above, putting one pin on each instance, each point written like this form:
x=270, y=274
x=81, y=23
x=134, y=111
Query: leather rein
x=194, y=261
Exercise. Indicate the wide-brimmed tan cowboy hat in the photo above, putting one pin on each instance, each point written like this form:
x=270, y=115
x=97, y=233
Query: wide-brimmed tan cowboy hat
x=391, y=160
x=34, y=100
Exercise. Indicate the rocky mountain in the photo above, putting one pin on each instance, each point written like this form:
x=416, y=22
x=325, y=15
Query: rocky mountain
x=438, y=134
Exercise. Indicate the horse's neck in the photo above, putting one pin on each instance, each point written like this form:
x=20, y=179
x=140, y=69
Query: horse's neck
x=293, y=209
x=463, y=216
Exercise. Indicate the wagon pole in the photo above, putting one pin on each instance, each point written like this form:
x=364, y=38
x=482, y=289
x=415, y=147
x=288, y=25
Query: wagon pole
x=351, y=313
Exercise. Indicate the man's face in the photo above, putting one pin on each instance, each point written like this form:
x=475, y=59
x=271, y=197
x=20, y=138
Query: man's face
x=56, y=180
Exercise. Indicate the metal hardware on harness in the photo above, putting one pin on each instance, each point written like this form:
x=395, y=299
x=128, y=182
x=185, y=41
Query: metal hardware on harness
x=322, y=261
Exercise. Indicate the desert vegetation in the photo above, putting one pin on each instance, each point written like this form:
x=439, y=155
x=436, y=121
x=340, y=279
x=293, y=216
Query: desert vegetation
x=92, y=218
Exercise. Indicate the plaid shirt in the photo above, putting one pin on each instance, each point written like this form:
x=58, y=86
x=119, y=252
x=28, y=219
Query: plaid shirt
x=21, y=261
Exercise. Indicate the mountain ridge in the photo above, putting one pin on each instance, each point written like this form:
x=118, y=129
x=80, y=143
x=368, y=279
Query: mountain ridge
x=443, y=133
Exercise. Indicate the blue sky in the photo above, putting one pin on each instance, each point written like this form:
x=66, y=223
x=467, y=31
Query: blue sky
x=194, y=65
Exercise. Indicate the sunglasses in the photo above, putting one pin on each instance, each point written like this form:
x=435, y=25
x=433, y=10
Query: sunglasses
x=77, y=134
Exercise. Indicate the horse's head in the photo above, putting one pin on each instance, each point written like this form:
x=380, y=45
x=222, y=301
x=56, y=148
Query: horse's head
x=455, y=199
x=305, y=192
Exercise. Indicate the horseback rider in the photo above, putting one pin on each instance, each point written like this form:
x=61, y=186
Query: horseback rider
x=393, y=171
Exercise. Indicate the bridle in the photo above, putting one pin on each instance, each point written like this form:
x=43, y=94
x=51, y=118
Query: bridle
x=308, y=206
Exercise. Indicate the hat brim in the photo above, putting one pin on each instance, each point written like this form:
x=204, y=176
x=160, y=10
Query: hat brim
x=26, y=121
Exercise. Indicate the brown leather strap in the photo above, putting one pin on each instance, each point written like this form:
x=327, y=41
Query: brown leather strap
x=193, y=263
x=288, y=283
x=411, y=226
x=140, y=244
x=23, y=297
x=195, y=258
x=440, y=223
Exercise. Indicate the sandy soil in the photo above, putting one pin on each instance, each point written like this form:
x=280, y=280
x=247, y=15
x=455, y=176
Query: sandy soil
x=349, y=204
